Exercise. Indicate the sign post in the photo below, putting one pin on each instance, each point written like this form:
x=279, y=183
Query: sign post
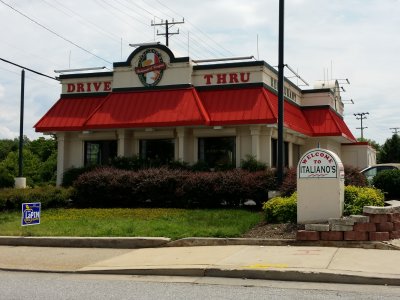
x=30, y=214
x=320, y=186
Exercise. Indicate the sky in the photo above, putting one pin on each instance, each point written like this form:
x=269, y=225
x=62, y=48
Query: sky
x=324, y=39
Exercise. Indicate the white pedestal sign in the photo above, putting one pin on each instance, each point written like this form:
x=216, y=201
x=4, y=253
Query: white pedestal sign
x=320, y=186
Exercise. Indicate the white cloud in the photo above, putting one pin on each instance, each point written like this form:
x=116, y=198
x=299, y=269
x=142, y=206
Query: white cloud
x=357, y=37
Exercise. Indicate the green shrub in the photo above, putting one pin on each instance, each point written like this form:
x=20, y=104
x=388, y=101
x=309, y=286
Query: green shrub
x=389, y=182
x=49, y=196
x=281, y=209
x=355, y=198
x=251, y=164
x=284, y=209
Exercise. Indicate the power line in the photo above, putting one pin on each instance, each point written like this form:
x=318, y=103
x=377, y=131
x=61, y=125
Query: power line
x=395, y=129
x=53, y=32
x=22, y=67
x=194, y=26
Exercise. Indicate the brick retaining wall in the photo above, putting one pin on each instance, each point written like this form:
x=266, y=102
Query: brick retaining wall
x=376, y=224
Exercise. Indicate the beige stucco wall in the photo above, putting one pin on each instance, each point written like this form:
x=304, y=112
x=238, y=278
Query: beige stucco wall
x=360, y=156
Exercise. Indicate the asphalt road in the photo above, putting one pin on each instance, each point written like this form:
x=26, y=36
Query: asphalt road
x=29, y=285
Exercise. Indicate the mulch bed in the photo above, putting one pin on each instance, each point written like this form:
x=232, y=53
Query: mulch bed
x=273, y=231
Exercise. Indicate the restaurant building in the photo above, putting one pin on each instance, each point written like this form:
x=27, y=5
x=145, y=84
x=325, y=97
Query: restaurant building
x=158, y=106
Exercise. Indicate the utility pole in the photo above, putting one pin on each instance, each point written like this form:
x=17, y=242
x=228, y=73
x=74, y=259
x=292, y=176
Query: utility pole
x=395, y=129
x=361, y=116
x=168, y=26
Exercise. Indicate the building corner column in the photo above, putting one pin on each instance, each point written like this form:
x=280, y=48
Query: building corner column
x=60, y=157
x=255, y=141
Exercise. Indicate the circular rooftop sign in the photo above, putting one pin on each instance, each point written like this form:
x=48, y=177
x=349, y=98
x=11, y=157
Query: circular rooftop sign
x=150, y=67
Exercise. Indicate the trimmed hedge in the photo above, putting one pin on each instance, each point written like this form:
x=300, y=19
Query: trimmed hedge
x=284, y=209
x=49, y=196
x=162, y=187
x=389, y=182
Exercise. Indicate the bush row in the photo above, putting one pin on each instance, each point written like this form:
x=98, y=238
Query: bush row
x=161, y=187
x=284, y=209
x=389, y=182
x=49, y=196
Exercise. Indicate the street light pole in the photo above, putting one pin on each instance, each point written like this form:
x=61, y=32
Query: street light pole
x=281, y=66
x=21, y=125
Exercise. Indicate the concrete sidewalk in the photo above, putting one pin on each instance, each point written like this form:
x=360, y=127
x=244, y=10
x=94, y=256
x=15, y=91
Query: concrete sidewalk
x=298, y=263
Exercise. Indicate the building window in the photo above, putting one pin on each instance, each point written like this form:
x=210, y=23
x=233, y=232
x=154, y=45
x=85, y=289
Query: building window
x=274, y=153
x=218, y=152
x=157, y=152
x=100, y=152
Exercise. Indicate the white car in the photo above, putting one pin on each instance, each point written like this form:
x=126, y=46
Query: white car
x=371, y=172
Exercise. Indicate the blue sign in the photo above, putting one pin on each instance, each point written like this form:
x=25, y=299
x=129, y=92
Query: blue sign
x=30, y=214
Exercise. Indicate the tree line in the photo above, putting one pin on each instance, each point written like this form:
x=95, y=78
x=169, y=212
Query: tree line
x=39, y=161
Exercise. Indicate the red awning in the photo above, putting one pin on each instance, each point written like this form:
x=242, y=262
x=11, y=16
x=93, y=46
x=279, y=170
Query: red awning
x=237, y=106
x=68, y=114
x=325, y=122
x=149, y=109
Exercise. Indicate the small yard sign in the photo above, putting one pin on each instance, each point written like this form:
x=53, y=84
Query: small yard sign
x=30, y=214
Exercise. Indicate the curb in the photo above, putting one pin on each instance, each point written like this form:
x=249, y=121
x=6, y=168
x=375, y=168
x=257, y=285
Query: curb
x=155, y=242
x=287, y=275
x=85, y=242
x=192, y=241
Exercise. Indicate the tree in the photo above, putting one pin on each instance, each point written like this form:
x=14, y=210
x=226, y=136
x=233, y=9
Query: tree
x=7, y=146
x=390, y=152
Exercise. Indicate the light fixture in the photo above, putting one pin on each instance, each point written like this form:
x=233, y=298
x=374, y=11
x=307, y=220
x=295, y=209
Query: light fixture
x=144, y=44
x=149, y=129
x=223, y=59
x=79, y=70
x=218, y=127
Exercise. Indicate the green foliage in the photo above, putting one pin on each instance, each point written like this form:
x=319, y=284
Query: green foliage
x=39, y=160
x=389, y=182
x=355, y=198
x=251, y=164
x=284, y=209
x=49, y=196
x=42, y=148
x=6, y=179
x=7, y=146
x=281, y=209
x=390, y=152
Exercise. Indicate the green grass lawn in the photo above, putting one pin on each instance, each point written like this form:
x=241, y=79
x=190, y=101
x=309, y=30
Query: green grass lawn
x=151, y=222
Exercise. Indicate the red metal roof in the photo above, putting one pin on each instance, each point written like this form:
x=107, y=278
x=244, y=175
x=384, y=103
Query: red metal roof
x=188, y=107
x=325, y=122
x=68, y=114
x=237, y=106
x=149, y=108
